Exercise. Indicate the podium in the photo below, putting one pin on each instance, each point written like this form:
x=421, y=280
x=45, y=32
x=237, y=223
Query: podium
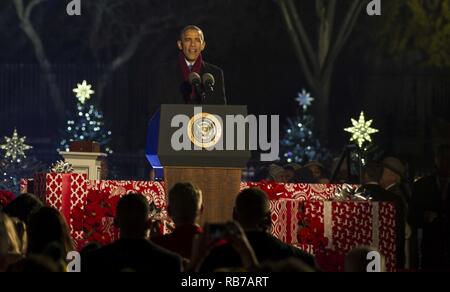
x=86, y=162
x=193, y=143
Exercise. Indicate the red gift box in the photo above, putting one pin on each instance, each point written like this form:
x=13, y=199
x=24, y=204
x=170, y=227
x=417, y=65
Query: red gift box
x=302, y=192
x=347, y=224
x=101, y=207
x=66, y=193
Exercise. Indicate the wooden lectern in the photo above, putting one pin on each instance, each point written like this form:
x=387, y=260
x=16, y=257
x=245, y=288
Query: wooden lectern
x=188, y=143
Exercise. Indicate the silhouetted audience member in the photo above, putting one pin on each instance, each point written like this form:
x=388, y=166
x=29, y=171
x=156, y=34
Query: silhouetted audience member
x=318, y=172
x=289, y=171
x=341, y=172
x=394, y=174
x=253, y=214
x=303, y=175
x=358, y=260
x=290, y=265
x=215, y=235
x=132, y=252
x=261, y=174
x=372, y=174
x=276, y=173
x=185, y=207
x=46, y=228
x=23, y=206
x=430, y=211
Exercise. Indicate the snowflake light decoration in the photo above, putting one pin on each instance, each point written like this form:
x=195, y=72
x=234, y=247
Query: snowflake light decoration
x=15, y=146
x=304, y=99
x=361, y=130
x=83, y=91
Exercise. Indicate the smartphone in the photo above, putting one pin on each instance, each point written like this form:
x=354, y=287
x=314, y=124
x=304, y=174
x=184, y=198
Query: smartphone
x=216, y=231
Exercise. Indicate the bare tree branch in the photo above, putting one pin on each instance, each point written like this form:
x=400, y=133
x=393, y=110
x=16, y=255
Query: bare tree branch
x=24, y=14
x=303, y=36
x=150, y=27
x=296, y=42
x=30, y=7
x=318, y=65
x=346, y=29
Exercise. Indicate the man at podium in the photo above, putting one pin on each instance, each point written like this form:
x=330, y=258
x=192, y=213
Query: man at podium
x=188, y=79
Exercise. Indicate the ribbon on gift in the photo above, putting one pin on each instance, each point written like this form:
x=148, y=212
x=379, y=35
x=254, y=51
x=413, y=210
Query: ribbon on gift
x=66, y=193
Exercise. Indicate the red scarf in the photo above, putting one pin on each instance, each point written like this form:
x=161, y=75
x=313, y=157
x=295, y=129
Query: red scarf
x=198, y=66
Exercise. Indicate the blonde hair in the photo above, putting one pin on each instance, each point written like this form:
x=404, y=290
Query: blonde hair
x=10, y=241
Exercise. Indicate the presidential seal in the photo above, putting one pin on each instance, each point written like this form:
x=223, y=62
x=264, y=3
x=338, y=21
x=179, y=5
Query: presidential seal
x=204, y=130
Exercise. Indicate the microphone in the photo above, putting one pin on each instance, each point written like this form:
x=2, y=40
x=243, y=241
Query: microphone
x=209, y=81
x=194, y=80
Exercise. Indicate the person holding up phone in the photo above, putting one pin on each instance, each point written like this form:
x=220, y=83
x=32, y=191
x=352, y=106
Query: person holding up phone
x=252, y=212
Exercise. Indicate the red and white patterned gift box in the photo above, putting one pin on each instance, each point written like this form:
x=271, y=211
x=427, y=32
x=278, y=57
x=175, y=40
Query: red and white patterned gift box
x=348, y=224
x=335, y=226
x=64, y=192
x=103, y=197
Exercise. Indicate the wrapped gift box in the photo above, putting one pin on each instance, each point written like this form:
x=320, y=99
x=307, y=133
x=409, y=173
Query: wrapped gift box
x=335, y=227
x=302, y=192
x=101, y=207
x=66, y=193
x=301, y=214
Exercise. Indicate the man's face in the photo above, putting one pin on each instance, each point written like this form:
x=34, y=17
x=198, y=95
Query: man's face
x=389, y=177
x=316, y=171
x=192, y=44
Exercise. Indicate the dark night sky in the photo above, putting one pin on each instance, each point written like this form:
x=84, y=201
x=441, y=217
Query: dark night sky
x=247, y=38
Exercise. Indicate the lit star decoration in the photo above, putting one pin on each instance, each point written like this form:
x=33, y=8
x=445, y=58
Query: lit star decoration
x=83, y=91
x=15, y=146
x=304, y=99
x=361, y=130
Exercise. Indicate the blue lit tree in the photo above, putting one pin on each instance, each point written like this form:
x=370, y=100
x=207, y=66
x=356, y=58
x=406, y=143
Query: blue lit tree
x=299, y=144
x=87, y=123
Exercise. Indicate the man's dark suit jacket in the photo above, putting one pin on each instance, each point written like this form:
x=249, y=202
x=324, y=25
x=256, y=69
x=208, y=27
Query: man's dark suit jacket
x=138, y=255
x=169, y=86
x=427, y=200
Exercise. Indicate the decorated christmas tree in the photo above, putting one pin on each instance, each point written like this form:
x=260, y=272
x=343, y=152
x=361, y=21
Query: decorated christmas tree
x=15, y=164
x=87, y=122
x=299, y=145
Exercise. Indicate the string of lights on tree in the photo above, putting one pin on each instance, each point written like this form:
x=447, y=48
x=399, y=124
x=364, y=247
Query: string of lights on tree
x=87, y=123
x=299, y=145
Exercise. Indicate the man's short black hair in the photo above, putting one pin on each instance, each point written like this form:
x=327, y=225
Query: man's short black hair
x=191, y=27
x=185, y=200
x=132, y=211
x=252, y=208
